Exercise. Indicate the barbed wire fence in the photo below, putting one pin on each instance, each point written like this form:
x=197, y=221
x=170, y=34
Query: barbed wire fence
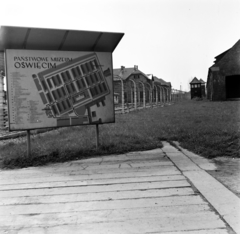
x=135, y=95
x=132, y=96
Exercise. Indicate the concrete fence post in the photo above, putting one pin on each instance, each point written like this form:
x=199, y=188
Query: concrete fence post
x=123, y=100
x=149, y=94
x=135, y=94
x=122, y=93
x=161, y=94
x=156, y=95
x=132, y=94
x=144, y=97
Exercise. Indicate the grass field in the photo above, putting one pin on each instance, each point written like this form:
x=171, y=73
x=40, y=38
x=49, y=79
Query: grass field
x=210, y=129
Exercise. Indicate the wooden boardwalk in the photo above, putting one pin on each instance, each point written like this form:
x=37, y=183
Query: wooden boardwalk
x=142, y=192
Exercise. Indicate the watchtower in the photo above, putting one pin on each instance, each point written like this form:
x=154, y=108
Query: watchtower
x=196, y=89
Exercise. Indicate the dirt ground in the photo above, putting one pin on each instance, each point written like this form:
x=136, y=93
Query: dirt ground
x=228, y=173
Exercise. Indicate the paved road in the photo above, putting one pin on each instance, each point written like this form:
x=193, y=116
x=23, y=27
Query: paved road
x=158, y=191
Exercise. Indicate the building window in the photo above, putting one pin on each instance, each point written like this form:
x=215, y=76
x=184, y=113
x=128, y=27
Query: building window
x=94, y=114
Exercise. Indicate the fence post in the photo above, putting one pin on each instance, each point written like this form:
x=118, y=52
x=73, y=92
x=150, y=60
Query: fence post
x=144, y=97
x=156, y=95
x=122, y=96
x=135, y=94
x=28, y=144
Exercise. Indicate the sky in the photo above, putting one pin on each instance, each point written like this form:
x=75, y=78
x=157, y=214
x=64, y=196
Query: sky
x=175, y=40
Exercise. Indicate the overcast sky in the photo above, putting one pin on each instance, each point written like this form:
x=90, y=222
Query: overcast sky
x=175, y=40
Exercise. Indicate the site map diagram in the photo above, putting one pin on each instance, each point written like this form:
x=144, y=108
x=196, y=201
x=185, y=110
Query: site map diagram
x=56, y=88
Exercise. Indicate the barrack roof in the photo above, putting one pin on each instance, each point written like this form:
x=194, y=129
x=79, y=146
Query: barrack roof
x=126, y=72
x=195, y=81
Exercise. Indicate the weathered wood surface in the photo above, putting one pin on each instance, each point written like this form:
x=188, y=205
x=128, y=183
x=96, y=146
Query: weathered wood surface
x=85, y=170
x=132, y=193
x=88, y=181
x=224, y=201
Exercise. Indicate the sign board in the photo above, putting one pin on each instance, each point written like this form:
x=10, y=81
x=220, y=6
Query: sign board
x=58, y=88
x=214, y=69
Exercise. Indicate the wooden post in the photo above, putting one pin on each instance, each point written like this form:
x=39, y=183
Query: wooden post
x=28, y=144
x=97, y=136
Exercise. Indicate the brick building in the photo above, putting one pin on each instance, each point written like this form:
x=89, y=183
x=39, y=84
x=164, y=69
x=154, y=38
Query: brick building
x=140, y=89
x=132, y=79
x=224, y=75
x=162, y=89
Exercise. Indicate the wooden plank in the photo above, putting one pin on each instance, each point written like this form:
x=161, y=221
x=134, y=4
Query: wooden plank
x=137, y=226
x=130, y=165
x=103, y=196
x=146, y=156
x=205, y=164
x=92, y=189
x=82, y=166
x=144, y=194
x=166, y=172
x=97, y=216
x=39, y=173
x=148, y=153
x=183, y=162
x=112, y=159
x=82, y=182
x=139, y=157
x=227, y=205
x=152, y=164
x=203, y=231
x=101, y=205
x=134, y=156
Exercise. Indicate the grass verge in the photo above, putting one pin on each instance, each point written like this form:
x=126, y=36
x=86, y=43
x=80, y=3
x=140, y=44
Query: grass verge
x=210, y=129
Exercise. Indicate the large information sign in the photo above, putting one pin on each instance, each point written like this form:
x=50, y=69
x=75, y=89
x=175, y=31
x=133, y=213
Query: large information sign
x=58, y=88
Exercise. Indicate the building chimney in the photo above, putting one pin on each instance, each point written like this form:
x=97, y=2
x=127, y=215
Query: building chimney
x=121, y=71
x=135, y=67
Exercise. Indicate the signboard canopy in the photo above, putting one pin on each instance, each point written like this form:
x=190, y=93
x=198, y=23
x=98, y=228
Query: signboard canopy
x=57, y=39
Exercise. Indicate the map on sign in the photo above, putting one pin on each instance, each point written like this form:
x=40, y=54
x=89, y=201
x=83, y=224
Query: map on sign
x=55, y=88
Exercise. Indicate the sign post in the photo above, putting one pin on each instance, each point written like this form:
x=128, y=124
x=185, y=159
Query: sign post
x=28, y=144
x=97, y=136
x=62, y=81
